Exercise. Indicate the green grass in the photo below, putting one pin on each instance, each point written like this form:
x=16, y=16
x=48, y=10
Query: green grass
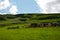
x=52, y=33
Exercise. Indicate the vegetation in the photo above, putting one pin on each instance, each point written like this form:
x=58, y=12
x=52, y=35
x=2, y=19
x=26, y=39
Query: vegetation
x=52, y=33
x=15, y=27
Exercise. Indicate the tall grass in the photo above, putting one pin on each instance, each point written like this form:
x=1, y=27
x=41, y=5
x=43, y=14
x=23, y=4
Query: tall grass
x=52, y=33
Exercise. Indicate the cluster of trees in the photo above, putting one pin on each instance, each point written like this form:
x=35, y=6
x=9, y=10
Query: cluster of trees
x=44, y=24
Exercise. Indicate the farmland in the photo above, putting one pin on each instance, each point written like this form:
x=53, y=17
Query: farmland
x=52, y=33
x=23, y=21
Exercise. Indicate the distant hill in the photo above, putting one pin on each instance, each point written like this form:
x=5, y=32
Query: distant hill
x=28, y=18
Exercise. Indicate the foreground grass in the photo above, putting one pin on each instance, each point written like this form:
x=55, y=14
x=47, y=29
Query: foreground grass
x=52, y=33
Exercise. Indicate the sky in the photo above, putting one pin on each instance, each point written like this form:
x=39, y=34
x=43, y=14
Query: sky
x=29, y=6
x=49, y=6
x=18, y=6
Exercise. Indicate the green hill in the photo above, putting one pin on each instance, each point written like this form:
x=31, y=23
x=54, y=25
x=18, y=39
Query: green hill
x=16, y=27
x=18, y=19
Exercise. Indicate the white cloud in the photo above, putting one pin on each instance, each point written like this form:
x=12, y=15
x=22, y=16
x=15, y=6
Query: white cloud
x=49, y=6
x=4, y=4
x=3, y=13
x=13, y=9
x=53, y=7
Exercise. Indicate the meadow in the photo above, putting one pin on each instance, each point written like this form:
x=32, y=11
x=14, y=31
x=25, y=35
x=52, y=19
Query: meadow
x=23, y=21
x=52, y=33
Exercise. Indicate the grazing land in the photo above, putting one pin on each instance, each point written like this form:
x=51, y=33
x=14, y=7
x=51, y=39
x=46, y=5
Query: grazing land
x=52, y=33
x=18, y=27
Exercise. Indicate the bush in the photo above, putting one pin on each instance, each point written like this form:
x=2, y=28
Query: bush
x=2, y=19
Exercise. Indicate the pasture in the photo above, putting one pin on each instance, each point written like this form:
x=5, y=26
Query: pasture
x=52, y=33
x=30, y=27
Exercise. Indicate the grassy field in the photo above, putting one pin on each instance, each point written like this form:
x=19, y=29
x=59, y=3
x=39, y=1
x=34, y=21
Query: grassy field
x=25, y=20
x=52, y=33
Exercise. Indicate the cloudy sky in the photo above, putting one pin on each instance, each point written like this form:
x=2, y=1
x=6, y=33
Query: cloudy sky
x=29, y=6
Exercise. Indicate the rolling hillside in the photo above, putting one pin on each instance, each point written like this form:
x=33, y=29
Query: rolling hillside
x=9, y=19
x=14, y=27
